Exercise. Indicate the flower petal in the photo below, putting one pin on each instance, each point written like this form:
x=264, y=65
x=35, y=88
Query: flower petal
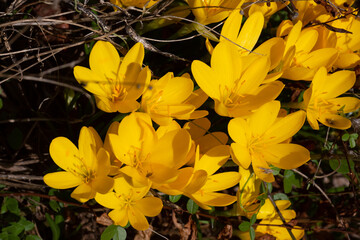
x=149, y=206
x=137, y=219
x=240, y=155
x=83, y=193
x=109, y=200
x=335, y=121
x=104, y=59
x=286, y=155
x=62, y=180
x=213, y=159
x=64, y=153
x=221, y=181
x=119, y=216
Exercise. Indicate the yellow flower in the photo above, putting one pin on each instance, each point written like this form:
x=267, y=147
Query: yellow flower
x=148, y=156
x=210, y=11
x=270, y=218
x=321, y=102
x=266, y=8
x=301, y=60
x=168, y=98
x=85, y=168
x=134, y=3
x=247, y=37
x=130, y=204
x=249, y=190
x=235, y=84
x=201, y=184
x=259, y=141
x=116, y=83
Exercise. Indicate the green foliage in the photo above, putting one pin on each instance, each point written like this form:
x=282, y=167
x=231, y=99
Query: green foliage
x=191, y=206
x=175, y=198
x=351, y=138
x=290, y=180
x=114, y=232
x=344, y=166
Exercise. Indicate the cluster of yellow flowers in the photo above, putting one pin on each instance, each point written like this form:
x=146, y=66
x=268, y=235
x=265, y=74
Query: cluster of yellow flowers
x=244, y=82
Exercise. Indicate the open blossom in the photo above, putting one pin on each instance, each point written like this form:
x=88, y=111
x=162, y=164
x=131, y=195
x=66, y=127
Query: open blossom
x=301, y=57
x=172, y=97
x=201, y=183
x=235, y=84
x=271, y=223
x=322, y=103
x=116, y=83
x=86, y=167
x=149, y=157
x=130, y=204
x=259, y=140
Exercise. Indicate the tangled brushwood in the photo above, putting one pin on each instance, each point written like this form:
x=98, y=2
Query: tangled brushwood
x=180, y=119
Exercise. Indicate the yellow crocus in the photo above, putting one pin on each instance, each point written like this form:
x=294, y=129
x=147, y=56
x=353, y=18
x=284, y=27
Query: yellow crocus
x=322, y=103
x=116, y=83
x=172, y=97
x=147, y=156
x=301, y=60
x=234, y=84
x=201, y=183
x=259, y=140
x=86, y=167
x=130, y=204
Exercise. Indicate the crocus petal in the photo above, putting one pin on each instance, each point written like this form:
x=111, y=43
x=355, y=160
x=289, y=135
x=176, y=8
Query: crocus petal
x=62, y=180
x=177, y=145
x=102, y=184
x=263, y=118
x=214, y=199
x=83, y=193
x=253, y=76
x=239, y=130
x=64, y=153
x=177, y=90
x=284, y=128
x=204, y=77
x=136, y=88
x=231, y=27
x=213, y=159
x=262, y=169
x=131, y=63
x=287, y=155
x=149, y=206
x=335, y=121
x=306, y=41
x=347, y=60
x=345, y=104
x=240, y=155
x=251, y=31
x=92, y=81
x=221, y=181
x=119, y=216
x=104, y=59
x=137, y=219
x=211, y=140
x=272, y=48
x=312, y=120
x=109, y=200
x=333, y=85
x=198, y=180
x=87, y=147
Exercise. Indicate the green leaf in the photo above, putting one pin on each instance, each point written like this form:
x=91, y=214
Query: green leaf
x=175, y=198
x=12, y=205
x=344, y=168
x=54, y=205
x=275, y=170
x=26, y=224
x=280, y=196
x=244, y=226
x=191, y=206
x=290, y=179
x=352, y=142
x=7, y=236
x=55, y=229
x=252, y=233
x=1, y=103
x=114, y=232
x=32, y=237
x=14, y=228
x=345, y=137
x=253, y=219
